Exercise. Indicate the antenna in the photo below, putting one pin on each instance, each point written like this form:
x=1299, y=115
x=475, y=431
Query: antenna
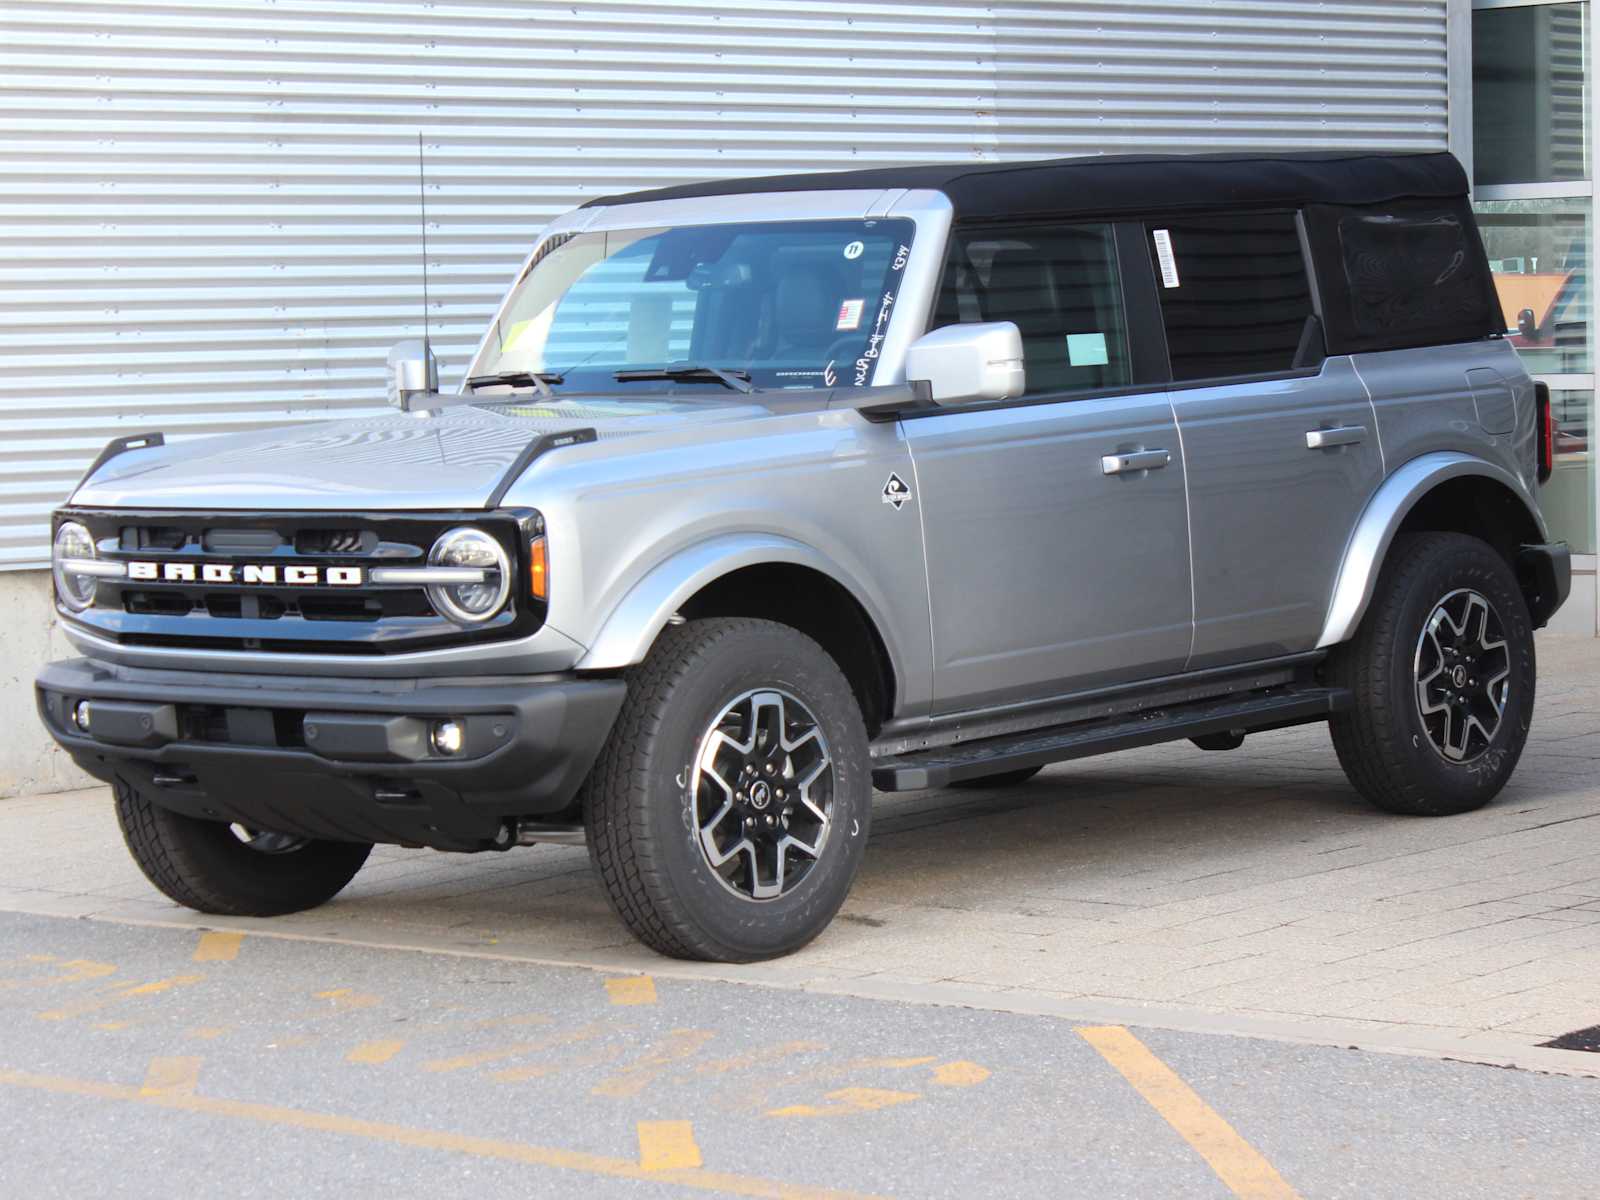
x=422, y=205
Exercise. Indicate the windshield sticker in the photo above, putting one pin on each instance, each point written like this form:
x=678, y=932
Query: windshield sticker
x=1087, y=350
x=869, y=356
x=810, y=379
x=1169, y=264
x=902, y=255
x=895, y=492
x=854, y=249
x=850, y=314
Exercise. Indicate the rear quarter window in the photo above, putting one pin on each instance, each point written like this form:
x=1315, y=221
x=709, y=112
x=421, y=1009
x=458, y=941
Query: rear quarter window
x=1401, y=275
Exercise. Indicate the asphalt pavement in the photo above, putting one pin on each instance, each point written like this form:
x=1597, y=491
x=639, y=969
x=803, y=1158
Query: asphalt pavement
x=159, y=1061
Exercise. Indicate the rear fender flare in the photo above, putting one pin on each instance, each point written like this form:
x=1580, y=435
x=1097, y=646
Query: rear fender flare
x=1382, y=518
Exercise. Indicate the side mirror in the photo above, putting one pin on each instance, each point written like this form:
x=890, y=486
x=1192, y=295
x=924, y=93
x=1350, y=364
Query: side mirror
x=968, y=364
x=413, y=375
x=1528, y=323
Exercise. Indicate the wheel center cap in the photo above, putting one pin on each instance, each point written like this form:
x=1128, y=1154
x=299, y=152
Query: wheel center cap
x=760, y=795
x=1459, y=676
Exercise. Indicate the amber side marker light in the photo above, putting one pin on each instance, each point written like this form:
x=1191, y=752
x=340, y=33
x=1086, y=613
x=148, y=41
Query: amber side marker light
x=538, y=570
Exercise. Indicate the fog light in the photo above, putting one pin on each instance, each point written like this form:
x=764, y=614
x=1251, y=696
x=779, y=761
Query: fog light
x=448, y=737
x=80, y=715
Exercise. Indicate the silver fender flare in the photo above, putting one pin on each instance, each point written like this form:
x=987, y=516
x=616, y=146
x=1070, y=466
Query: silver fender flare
x=1375, y=530
x=632, y=627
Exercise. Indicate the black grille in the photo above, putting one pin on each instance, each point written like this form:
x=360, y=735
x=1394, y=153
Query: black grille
x=335, y=541
x=318, y=618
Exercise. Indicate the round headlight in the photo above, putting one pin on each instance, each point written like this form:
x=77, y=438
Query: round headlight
x=73, y=542
x=470, y=602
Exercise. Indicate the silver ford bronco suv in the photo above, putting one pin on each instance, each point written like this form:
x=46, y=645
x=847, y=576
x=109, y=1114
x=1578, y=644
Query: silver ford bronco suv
x=761, y=494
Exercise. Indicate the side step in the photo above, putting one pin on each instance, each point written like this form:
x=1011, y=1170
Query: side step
x=1270, y=709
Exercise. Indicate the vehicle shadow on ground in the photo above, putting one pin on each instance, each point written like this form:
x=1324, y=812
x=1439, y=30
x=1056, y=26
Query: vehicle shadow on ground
x=1081, y=840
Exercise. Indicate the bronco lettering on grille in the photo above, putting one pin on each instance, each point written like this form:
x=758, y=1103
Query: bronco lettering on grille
x=268, y=574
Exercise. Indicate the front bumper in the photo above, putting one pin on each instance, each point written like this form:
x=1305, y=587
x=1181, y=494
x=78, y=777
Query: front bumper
x=344, y=759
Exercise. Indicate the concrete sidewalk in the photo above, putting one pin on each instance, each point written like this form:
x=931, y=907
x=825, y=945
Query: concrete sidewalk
x=1250, y=891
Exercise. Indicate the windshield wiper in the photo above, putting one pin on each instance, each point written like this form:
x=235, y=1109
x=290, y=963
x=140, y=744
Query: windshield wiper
x=534, y=379
x=736, y=379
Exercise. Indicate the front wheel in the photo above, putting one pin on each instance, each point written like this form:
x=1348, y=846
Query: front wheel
x=212, y=867
x=728, y=812
x=1442, y=674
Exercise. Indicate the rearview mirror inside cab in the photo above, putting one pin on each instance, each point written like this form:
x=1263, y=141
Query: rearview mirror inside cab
x=968, y=364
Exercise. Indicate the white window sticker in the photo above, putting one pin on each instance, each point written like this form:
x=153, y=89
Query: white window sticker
x=854, y=249
x=1169, y=264
x=850, y=314
x=1087, y=350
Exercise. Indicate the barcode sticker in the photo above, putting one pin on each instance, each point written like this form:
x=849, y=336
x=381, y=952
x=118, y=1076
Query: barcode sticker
x=1168, y=264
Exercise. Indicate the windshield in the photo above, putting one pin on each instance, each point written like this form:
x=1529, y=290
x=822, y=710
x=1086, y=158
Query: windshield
x=790, y=303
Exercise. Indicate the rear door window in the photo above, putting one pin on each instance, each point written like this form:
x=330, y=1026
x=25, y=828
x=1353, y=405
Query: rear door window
x=1235, y=298
x=1060, y=285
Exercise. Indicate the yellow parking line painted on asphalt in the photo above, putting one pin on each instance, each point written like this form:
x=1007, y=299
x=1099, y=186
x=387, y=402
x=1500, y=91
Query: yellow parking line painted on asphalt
x=375, y=1052
x=848, y=1100
x=427, y=1139
x=105, y=999
x=667, y=1146
x=959, y=1074
x=1237, y=1163
x=77, y=971
x=162, y=985
x=218, y=947
x=676, y=1047
x=631, y=989
x=756, y=1058
x=171, y=1077
x=538, y=1070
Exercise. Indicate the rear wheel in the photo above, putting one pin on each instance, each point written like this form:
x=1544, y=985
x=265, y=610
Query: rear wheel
x=728, y=812
x=1442, y=671
x=230, y=870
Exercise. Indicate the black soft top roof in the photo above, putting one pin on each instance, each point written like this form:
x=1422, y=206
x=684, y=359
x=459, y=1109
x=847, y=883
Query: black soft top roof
x=1106, y=185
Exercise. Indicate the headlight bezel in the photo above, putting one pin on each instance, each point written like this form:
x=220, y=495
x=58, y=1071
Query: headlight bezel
x=440, y=595
x=66, y=595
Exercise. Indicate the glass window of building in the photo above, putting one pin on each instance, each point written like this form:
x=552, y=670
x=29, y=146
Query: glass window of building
x=1539, y=253
x=1532, y=168
x=1528, y=85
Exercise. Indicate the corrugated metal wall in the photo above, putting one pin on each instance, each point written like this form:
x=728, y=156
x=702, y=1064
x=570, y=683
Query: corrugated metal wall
x=208, y=210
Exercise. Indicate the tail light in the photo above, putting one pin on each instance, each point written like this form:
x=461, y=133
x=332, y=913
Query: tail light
x=1547, y=431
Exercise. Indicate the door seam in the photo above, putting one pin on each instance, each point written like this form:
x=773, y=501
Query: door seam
x=927, y=578
x=1188, y=531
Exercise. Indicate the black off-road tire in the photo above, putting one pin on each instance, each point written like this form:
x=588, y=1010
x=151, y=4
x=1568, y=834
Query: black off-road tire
x=202, y=865
x=1001, y=779
x=1383, y=743
x=639, y=808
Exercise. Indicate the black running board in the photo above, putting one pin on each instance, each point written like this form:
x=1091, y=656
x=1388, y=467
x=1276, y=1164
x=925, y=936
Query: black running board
x=1254, y=711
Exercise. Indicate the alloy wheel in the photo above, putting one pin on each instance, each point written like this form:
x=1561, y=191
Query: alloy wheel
x=763, y=794
x=1463, y=675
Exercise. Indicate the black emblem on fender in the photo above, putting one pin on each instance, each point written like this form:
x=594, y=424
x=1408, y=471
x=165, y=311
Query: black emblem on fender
x=896, y=493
